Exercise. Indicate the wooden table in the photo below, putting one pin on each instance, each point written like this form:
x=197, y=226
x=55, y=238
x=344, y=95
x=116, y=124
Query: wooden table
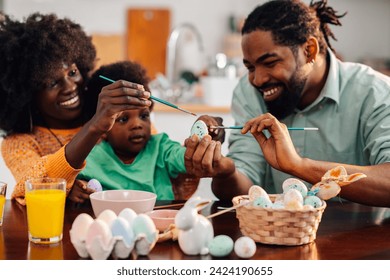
x=348, y=231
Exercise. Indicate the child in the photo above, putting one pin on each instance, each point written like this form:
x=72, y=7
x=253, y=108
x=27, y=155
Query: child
x=129, y=156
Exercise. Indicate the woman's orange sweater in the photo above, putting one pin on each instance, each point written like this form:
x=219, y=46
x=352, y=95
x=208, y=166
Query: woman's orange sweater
x=38, y=154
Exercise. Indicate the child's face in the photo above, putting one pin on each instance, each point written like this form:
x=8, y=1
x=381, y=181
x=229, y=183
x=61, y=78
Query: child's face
x=130, y=133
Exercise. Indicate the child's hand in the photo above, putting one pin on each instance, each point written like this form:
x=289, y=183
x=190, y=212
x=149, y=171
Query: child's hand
x=215, y=133
x=79, y=192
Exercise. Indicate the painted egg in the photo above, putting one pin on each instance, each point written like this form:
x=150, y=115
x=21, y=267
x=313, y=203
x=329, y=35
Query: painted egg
x=278, y=204
x=312, y=200
x=107, y=216
x=245, y=247
x=262, y=201
x=124, y=235
x=99, y=240
x=199, y=128
x=128, y=214
x=293, y=183
x=255, y=192
x=145, y=233
x=94, y=185
x=293, y=200
x=221, y=246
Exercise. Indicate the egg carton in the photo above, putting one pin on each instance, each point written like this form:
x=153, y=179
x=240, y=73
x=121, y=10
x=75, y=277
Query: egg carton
x=113, y=234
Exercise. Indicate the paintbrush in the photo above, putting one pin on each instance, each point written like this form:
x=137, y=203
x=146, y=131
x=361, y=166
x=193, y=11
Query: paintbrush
x=240, y=127
x=156, y=99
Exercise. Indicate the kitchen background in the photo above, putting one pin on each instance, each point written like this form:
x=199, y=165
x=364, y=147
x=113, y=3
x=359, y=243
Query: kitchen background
x=191, y=48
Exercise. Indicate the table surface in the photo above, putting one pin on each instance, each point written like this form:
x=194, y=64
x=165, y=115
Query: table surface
x=348, y=231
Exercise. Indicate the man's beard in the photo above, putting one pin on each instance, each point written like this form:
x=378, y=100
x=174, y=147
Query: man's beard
x=286, y=103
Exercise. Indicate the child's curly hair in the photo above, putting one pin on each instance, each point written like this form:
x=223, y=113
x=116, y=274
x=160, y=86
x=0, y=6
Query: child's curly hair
x=30, y=51
x=122, y=70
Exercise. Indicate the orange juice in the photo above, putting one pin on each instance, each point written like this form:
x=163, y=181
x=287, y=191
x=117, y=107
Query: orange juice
x=45, y=212
x=2, y=202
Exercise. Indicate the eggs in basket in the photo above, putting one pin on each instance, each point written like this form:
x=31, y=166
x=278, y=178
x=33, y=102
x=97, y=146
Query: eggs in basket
x=293, y=217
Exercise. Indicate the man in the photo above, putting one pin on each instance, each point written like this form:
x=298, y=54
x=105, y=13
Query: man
x=295, y=80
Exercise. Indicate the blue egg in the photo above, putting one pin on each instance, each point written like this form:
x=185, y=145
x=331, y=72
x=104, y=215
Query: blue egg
x=121, y=228
x=313, y=200
x=221, y=246
x=262, y=201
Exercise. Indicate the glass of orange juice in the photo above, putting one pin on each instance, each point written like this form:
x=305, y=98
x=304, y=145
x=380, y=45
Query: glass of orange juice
x=3, y=190
x=45, y=202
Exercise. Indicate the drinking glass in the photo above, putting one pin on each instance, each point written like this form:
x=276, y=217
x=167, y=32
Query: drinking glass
x=3, y=191
x=45, y=202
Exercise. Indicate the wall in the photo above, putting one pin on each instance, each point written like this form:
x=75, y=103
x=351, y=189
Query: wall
x=364, y=31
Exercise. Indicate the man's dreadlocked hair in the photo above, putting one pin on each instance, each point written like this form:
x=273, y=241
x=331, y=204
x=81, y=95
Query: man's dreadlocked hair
x=293, y=22
x=30, y=51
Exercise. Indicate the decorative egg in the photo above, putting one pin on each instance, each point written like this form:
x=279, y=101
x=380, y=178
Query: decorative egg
x=107, y=216
x=255, y=192
x=99, y=240
x=145, y=233
x=199, y=128
x=221, y=246
x=278, y=204
x=128, y=214
x=124, y=235
x=245, y=247
x=293, y=183
x=293, y=200
x=78, y=233
x=312, y=200
x=94, y=185
x=263, y=201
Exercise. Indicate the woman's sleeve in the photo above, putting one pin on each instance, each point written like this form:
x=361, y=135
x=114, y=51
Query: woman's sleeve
x=22, y=154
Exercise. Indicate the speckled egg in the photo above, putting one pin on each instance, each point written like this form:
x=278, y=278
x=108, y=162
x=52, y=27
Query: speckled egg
x=199, y=128
x=94, y=185
x=221, y=246
x=262, y=201
x=293, y=183
x=245, y=247
x=312, y=200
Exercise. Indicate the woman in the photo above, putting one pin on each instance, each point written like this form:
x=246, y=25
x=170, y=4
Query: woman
x=45, y=62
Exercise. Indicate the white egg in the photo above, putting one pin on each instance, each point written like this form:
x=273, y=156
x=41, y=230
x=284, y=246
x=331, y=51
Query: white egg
x=78, y=233
x=107, y=216
x=245, y=247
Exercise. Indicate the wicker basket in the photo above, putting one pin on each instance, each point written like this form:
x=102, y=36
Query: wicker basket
x=278, y=226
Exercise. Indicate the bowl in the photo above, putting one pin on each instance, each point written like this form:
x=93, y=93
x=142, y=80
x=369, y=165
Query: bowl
x=163, y=218
x=117, y=200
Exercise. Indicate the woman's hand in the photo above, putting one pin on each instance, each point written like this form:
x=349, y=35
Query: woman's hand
x=204, y=159
x=278, y=149
x=216, y=134
x=115, y=98
x=79, y=192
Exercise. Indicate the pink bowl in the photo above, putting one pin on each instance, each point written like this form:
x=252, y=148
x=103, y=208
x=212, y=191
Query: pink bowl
x=163, y=218
x=117, y=200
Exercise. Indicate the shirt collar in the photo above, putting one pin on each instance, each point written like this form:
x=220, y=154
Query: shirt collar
x=331, y=87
